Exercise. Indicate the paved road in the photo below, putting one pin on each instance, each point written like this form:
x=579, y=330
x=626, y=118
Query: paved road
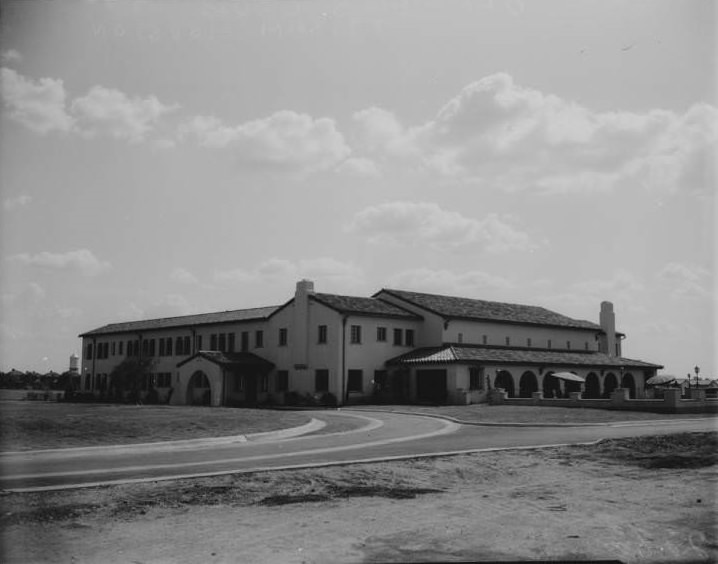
x=382, y=435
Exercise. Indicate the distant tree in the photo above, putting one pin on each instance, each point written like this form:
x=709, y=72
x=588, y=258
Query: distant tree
x=127, y=377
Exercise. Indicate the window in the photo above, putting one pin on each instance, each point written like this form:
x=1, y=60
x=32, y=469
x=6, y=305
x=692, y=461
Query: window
x=283, y=337
x=230, y=342
x=264, y=383
x=508, y=341
x=163, y=352
x=213, y=342
x=198, y=342
x=380, y=379
x=549, y=343
x=568, y=344
x=120, y=345
x=475, y=378
x=586, y=345
x=460, y=338
x=322, y=334
x=145, y=348
x=354, y=381
x=178, y=345
x=485, y=339
x=381, y=334
x=259, y=339
x=88, y=352
x=355, y=334
x=168, y=346
x=239, y=384
x=245, y=341
x=113, y=348
x=223, y=342
x=187, y=346
x=409, y=338
x=321, y=380
x=397, y=337
x=152, y=347
x=282, y=380
x=528, y=342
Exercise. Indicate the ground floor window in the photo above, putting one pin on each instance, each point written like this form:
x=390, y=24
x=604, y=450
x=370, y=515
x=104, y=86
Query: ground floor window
x=282, y=380
x=321, y=380
x=355, y=381
x=476, y=378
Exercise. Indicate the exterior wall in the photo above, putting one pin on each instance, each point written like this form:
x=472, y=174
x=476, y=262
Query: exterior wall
x=214, y=374
x=430, y=332
x=473, y=332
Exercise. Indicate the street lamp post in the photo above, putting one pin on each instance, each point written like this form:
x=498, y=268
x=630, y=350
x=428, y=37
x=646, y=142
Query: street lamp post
x=697, y=370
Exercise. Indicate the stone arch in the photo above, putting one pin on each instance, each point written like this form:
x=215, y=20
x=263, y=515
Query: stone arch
x=629, y=382
x=505, y=380
x=551, y=386
x=610, y=383
x=593, y=386
x=527, y=384
x=199, y=391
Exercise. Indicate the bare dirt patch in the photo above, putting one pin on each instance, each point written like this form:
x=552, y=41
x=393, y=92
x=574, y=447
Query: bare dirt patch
x=39, y=425
x=614, y=500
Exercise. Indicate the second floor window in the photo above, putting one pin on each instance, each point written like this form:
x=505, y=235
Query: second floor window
x=381, y=334
x=397, y=337
x=322, y=334
x=259, y=339
x=409, y=338
x=283, y=337
x=355, y=336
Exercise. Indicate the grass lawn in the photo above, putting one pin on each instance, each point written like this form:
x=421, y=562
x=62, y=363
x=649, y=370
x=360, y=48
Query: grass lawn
x=39, y=425
x=484, y=413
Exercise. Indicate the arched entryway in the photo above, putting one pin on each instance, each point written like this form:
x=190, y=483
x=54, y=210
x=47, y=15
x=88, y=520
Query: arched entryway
x=506, y=381
x=610, y=383
x=593, y=386
x=630, y=383
x=527, y=384
x=198, y=389
x=551, y=386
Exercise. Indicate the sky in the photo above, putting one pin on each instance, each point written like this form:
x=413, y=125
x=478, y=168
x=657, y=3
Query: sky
x=162, y=158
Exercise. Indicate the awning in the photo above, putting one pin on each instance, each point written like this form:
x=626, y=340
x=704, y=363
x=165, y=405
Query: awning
x=570, y=376
x=660, y=379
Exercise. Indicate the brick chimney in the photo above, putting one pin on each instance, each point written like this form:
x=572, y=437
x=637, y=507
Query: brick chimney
x=300, y=326
x=607, y=320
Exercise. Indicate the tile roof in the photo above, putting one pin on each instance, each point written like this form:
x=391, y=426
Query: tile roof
x=363, y=306
x=474, y=354
x=185, y=321
x=231, y=360
x=468, y=308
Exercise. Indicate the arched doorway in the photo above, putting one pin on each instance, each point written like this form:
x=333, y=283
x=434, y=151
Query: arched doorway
x=551, y=386
x=630, y=383
x=527, y=384
x=198, y=390
x=610, y=383
x=506, y=381
x=593, y=386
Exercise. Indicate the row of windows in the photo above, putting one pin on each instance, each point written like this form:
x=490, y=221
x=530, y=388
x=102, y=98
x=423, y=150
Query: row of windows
x=529, y=342
x=401, y=336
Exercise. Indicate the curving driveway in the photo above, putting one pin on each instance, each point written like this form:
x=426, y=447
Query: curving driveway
x=379, y=436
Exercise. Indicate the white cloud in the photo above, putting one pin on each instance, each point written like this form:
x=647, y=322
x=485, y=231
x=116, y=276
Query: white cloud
x=11, y=56
x=171, y=305
x=470, y=283
x=36, y=104
x=10, y=204
x=359, y=166
x=284, y=140
x=686, y=281
x=81, y=260
x=183, y=276
x=516, y=138
x=422, y=223
x=111, y=112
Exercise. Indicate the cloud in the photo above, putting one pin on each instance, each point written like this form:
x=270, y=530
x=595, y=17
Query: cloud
x=183, y=276
x=273, y=270
x=11, y=56
x=499, y=133
x=284, y=140
x=10, y=204
x=686, y=281
x=171, y=305
x=37, y=104
x=359, y=166
x=81, y=260
x=421, y=223
x=111, y=112
x=473, y=282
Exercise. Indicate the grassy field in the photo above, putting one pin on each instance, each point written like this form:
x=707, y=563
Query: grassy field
x=39, y=425
x=484, y=413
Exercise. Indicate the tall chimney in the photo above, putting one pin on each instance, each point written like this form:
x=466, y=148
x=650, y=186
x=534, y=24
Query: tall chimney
x=607, y=320
x=301, y=329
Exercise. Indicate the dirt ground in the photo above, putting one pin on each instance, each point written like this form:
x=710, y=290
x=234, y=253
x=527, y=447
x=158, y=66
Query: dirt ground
x=630, y=500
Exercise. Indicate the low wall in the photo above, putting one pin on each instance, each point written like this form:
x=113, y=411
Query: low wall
x=670, y=403
x=38, y=395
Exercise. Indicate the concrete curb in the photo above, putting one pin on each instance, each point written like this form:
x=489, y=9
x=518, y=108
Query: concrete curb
x=493, y=424
x=313, y=425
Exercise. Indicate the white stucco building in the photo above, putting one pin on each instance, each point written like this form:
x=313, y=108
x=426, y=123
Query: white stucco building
x=393, y=346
